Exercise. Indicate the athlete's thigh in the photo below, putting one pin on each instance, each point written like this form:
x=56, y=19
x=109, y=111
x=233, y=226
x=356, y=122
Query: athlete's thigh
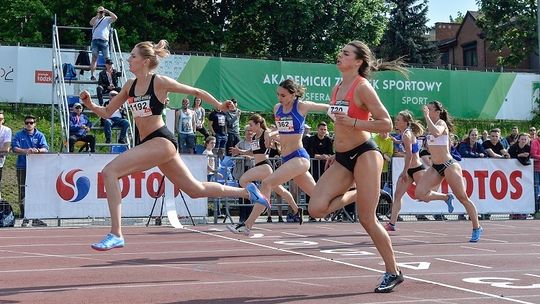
x=255, y=174
x=429, y=182
x=335, y=181
x=142, y=157
x=454, y=178
x=288, y=171
x=367, y=175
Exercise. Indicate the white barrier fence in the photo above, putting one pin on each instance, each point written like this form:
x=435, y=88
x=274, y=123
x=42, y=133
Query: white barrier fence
x=71, y=186
x=494, y=185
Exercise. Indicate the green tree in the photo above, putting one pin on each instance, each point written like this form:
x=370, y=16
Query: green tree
x=510, y=24
x=301, y=29
x=406, y=33
x=23, y=20
x=459, y=18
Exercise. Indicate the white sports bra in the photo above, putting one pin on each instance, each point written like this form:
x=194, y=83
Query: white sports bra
x=441, y=140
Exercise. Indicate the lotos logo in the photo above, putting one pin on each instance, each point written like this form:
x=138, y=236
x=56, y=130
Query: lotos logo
x=72, y=191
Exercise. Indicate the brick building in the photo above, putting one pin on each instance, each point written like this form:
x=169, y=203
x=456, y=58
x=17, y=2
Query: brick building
x=464, y=45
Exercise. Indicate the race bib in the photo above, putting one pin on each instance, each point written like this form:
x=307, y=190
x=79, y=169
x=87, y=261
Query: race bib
x=140, y=106
x=255, y=145
x=341, y=106
x=285, y=124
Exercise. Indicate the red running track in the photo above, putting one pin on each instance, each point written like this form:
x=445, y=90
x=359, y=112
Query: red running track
x=282, y=263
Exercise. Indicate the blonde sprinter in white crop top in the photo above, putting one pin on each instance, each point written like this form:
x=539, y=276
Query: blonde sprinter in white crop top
x=439, y=125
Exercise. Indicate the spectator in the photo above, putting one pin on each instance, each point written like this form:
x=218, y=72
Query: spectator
x=199, y=117
x=241, y=166
x=209, y=145
x=386, y=145
x=485, y=136
x=535, y=154
x=79, y=125
x=307, y=135
x=471, y=147
x=185, y=126
x=116, y=120
x=5, y=143
x=521, y=149
x=494, y=148
x=27, y=141
x=319, y=147
x=532, y=133
x=233, y=125
x=107, y=81
x=101, y=26
x=218, y=128
x=513, y=136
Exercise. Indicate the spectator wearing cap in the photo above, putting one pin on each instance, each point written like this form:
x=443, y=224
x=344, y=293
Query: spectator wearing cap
x=107, y=81
x=79, y=125
x=117, y=120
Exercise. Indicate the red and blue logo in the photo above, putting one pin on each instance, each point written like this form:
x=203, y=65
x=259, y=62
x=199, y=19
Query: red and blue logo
x=72, y=190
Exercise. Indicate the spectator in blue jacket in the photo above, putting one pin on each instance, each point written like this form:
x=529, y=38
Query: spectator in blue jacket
x=471, y=147
x=27, y=141
x=79, y=125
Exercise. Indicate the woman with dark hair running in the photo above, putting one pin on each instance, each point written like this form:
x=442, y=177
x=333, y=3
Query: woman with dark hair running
x=358, y=112
x=146, y=95
x=290, y=114
x=259, y=150
x=439, y=125
x=413, y=167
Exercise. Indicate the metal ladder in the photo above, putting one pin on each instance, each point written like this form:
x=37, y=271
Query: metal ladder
x=60, y=103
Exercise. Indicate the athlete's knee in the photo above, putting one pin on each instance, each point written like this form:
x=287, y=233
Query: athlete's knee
x=109, y=173
x=196, y=190
x=317, y=208
x=367, y=220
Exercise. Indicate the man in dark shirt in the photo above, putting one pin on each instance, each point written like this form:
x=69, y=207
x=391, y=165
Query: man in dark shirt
x=493, y=146
x=218, y=128
x=320, y=147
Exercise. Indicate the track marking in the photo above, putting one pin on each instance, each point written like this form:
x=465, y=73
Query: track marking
x=413, y=240
x=494, y=240
x=294, y=234
x=463, y=263
x=402, y=252
x=432, y=233
x=337, y=242
x=533, y=275
x=481, y=249
x=362, y=267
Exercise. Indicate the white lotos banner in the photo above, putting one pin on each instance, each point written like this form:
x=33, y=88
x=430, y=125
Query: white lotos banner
x=494, y=186
x=71, y=186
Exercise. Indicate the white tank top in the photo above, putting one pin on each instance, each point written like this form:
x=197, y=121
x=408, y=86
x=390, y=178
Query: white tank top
x=441, y=140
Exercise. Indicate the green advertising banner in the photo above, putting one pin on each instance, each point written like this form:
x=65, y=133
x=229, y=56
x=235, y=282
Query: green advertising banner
x=465, y=94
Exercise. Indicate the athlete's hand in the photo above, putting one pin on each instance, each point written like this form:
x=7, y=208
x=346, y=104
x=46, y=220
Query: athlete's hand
x=227, y=106
x=85, y=98
x=343, y=119
x=425, y=109
x=329, y=161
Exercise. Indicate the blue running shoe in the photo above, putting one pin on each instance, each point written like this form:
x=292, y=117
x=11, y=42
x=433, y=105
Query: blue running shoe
x=449, y=203
x=476, y=233
x=255, y=196
x=389, y=282
x=110, y=241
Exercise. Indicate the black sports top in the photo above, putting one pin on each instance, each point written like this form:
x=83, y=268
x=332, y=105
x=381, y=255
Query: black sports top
x=147, y=104
x=258, y=146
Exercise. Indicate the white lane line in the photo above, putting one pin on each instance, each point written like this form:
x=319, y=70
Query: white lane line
x=494, y=240
x=294, y=234
x=337, y=242
x=533, y=275
x=413, y=240
x=402, y=252
x=463, y=263
x=480, y=249
x=362, y=267
x=327, y=228
x=432, y=233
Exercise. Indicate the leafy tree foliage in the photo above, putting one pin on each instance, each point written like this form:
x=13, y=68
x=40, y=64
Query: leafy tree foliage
x=406, y=33
x=261, y=28
x=300, y=28
x=510, y=24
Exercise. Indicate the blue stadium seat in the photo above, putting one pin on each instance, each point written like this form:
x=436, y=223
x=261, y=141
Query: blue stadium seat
x=118, y=148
